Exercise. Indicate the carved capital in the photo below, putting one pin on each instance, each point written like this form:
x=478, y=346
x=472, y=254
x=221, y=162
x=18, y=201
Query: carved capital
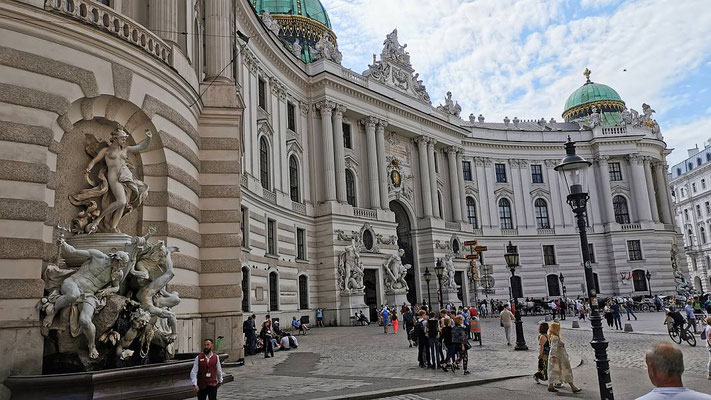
x=369, y=122
x=551, y=163
x=382, y=124
x=514, y=162
x=487, y=161
x=523, y=163
x=433, y=142
x=479, y=161
x=451, y=150
x=421, y=141
x=304, y=108
x=635, y=158
x=325, y=106
x=339, y=110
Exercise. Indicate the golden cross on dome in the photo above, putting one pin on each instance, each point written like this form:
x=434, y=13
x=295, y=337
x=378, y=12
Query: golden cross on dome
x=587, y=74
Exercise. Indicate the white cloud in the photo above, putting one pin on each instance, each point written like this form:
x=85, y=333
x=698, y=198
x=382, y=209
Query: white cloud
x=686, y=136
x=522, y=58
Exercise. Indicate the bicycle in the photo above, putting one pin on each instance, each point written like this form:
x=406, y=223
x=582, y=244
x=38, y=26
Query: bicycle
x=677, y=336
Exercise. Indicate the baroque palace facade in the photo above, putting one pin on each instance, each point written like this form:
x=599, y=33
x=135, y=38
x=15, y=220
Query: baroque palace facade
x=290, y=182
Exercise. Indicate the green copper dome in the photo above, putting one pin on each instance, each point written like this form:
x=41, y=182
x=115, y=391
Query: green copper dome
x=583, y=99
x=311, y=9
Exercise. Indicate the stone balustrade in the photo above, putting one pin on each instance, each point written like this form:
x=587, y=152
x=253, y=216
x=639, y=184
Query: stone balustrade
x=269, y=196
x=614, y=130
x=631, y=227
x=107, y=19
x=546, y=231
x=365, y=213
x=509, y=232
x=298, y=207
x=354, y=77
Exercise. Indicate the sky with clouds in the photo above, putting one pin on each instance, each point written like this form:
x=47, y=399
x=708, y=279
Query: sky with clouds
x=523, y=58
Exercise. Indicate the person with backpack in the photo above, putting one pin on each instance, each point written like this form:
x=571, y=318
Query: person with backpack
x=434, y=343
x=460, y=341
x=420, y=333
x=409, y=319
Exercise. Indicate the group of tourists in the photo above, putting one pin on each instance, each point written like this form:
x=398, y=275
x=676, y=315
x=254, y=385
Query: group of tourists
x=271, y=337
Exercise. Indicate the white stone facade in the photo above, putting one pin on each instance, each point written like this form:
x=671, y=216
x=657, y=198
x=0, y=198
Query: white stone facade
x=691, y=193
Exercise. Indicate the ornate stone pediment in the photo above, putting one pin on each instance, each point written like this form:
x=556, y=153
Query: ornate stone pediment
x=503, y=191
x=394, y=69
x=540, y=192
x=265, y=127
x=471, y=190
x=293, y=145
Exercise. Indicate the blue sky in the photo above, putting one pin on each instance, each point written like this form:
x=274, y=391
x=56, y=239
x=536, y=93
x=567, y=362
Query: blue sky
x=506, y=58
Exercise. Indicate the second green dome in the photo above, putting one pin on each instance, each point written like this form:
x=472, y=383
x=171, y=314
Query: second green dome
x=311, y=9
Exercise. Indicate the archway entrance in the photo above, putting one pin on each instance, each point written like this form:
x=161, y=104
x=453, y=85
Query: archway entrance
x=404, y=241
x=370, y=280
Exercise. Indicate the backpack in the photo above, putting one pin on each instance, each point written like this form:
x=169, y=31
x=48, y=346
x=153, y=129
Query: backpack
x=419, y=331
x=292, y=343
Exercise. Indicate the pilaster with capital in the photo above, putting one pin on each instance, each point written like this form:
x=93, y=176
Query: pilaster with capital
x=373, y=181
x=433, y=178
x=558, y=196
x=460, y=181
x=338, y=154
x=454, y=184
x=421, y=143
x=639, y=181
x=525, y=190
x=516, y=186
x=650, y=188
x=326, y=109
x=483, y=192
x=218, y=40
x=604, y=169
x=660, y=169
x=382, y=167
x=163, y=19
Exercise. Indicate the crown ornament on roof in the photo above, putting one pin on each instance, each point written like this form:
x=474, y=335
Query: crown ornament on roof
x=587, y=75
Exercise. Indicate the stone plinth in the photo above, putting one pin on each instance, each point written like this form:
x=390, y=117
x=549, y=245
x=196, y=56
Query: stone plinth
x=396, y=297
x=351, y=303
x=450, y=296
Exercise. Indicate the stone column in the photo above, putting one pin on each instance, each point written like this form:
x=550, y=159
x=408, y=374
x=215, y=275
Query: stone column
x=558, y=199
x=660, y=172
x=525, y=193
x=483, y=196
x=460, y=179
x=604, y=167
x=326, y=107
x=650, y=188
x=163, y=19
x=644, y=212
x=307, y=167
x=433, y=178
x=338, y=154
x=424, y=176
x=373, y=181
x=518, y=196
x=218, y=39
x=493, y=209
x=454, y=184
x=382, y=167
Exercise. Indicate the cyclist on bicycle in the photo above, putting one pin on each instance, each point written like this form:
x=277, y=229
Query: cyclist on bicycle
x=678, y=320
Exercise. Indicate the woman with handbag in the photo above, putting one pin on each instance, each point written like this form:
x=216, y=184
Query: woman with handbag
x=559, y=370
x=544, y=349
x=460, y=341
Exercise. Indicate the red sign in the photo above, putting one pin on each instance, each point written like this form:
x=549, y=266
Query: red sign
x=481, y=248
x=470, y=243
x=472, y=256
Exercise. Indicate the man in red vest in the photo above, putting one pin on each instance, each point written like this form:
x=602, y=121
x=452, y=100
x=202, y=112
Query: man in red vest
x=206, y=374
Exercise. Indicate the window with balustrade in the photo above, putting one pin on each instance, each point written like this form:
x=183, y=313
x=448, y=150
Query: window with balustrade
x=505, y=215
x=622, y=214
x=541, y=210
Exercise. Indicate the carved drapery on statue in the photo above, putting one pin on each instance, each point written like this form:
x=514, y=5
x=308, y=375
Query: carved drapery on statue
x=116, y=190
x=448, y=281
x=395, y=272
x=116, y=301
x=350, y=269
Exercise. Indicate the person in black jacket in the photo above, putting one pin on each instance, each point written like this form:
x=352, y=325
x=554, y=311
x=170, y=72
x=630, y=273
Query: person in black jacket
x=250, y=332
x=267, y=334
x=409, y=319
x=434, y=343
x=420, y=333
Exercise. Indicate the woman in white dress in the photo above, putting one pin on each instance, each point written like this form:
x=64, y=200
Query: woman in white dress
x=559, y=370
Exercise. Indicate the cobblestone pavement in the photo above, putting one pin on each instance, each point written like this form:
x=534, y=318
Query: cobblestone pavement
x=348, y=360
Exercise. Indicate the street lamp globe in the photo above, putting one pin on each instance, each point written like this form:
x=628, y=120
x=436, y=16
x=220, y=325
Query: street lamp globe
x=574, y=169
x=511, y=256
x=427, y=274
x=439, y=269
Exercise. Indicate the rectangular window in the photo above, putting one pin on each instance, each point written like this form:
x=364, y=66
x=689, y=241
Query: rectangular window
x=300, y=244
x=703, y=184
x=698, y=211
x=615, y=171
x=244, y=227
x=262, y=94
x=347, y=143
x=549, y=255
x=693, y=187
x=591, y=251
x=271, y=237
x=291, y=117
x=708, y=208
x=467, y=168
x=634, y=249
x=500, y=173
x=536, y=173
x=686, y=215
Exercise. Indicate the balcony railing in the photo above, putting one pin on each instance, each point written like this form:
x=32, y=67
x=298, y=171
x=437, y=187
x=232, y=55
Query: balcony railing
x=269, y=196
x=631, y=227
x=546, y=231
x=105, y=18
x=509, y=232
x=477, y=232
x=354, y=77
x=455, y=226
x=365, y=213
x=614, y=130
x=298, y=207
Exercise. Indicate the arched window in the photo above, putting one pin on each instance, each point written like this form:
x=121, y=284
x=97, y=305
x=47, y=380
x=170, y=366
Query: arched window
x=553, y=285
x=639, y=280
x=471, y=212
x=542, y=219
x=622, y=214
x=350, y=188
x=702, y=233
x=505, y=214
x=303, y=292
x=264, y=162
x=246, y=290
x=273, y=291
x=691, y=237
x=439, y=203
x=294, y=179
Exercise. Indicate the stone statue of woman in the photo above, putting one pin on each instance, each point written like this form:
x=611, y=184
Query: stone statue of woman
x=119, y=191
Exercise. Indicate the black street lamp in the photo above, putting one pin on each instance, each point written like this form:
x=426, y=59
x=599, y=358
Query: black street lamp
x=428, y=276
x=649, y=282
x=574, y=169
x=439, y=271
x=564, y=312
x=511, y=258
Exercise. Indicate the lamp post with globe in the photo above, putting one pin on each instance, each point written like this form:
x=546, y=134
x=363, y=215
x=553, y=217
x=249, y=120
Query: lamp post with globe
x=574, y=169
x=648, y=275
x=428, y=276
x=512, y=258
x=564, y=312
